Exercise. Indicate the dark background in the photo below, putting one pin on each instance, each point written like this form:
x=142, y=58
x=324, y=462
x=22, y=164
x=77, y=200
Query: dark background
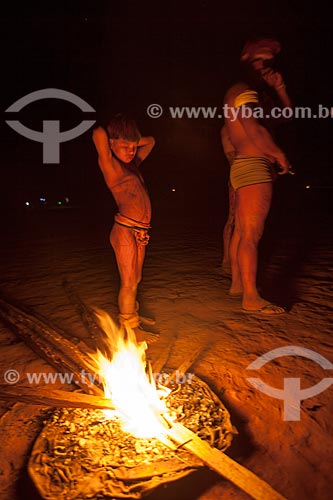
x=123, y=56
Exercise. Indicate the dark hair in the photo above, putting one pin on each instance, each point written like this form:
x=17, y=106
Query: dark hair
x=254, y=44
x=123, y=127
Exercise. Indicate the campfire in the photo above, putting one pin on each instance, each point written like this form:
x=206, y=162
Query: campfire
x=126, y=452
x=134, y=431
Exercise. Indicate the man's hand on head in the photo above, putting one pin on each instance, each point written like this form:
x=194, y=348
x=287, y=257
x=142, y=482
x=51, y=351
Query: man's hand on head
x=273, y=79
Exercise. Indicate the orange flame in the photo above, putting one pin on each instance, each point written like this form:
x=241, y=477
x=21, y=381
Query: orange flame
x=139, y=403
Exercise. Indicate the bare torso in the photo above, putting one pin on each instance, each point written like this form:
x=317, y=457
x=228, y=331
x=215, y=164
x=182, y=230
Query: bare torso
x=130, y=193
x=241, y=141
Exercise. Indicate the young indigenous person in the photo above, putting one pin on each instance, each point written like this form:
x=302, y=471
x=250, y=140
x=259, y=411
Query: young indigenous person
x=257, y=162
x=121, y=150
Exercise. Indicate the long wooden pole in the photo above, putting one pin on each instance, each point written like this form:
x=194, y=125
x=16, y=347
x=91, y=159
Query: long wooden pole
x=52, y=345
x=55, y=398
x=222, y=464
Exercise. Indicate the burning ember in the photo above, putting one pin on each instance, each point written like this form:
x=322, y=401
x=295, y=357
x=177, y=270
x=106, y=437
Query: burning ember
x=138, y=402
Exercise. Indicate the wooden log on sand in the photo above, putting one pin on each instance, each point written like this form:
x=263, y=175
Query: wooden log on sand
x=51, y=344
x=55, y=398
x=222, y=464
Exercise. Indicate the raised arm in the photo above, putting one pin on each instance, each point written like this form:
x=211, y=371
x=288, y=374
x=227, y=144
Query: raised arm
x=145, y=145
x=101, y=142
x=105, y=159
x=275, y=80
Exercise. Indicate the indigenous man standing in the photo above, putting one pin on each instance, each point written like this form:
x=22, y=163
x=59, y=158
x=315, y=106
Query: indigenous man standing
x=257, y=161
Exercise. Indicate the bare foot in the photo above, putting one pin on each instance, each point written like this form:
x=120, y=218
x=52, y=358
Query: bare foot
x=143, y=336
x=236, y=288
x=235, y=292
x=226, y=269
x=147, y=321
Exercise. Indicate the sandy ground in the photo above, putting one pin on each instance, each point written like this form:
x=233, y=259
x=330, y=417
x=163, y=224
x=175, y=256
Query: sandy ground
x=184, y=290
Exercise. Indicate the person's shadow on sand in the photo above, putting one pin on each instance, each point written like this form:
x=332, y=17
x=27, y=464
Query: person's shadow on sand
x=294, y=227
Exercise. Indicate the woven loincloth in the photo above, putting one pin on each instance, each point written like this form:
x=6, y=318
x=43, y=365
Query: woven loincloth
x=140, y=229
x=248, y=170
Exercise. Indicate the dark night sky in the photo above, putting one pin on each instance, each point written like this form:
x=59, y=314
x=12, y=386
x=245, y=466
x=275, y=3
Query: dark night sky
x=125, y=55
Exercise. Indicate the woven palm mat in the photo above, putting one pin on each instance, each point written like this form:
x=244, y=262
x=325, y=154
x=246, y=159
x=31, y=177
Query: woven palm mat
x=83, y=454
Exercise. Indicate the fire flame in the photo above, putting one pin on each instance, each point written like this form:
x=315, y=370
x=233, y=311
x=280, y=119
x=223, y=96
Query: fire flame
x=139, y=403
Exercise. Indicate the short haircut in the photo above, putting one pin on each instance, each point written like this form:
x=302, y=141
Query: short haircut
x=123, y=127
x=255, y=44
